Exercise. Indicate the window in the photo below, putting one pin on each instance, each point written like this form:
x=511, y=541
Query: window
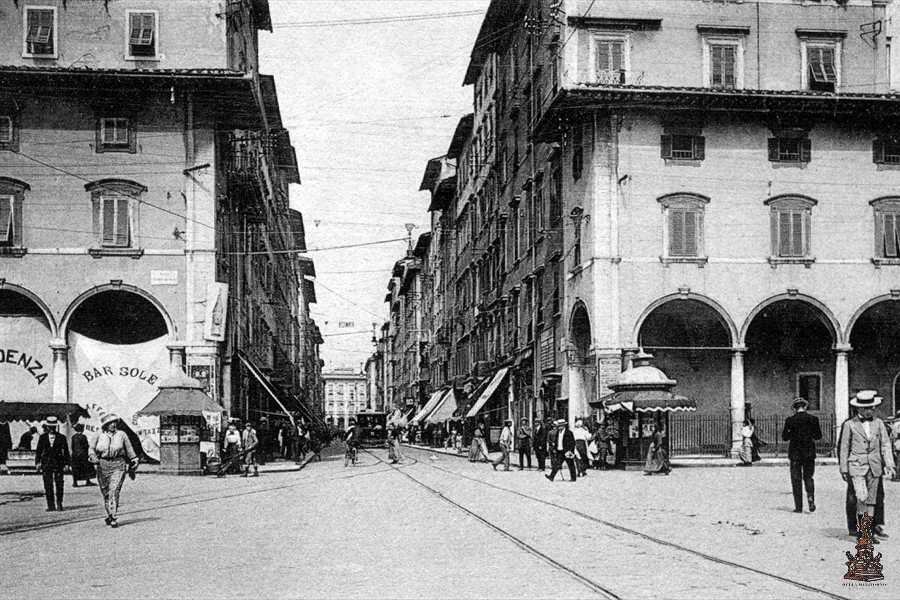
x=886, y=151
x=723, y=66
x=887, y=228
x=12, y=196
x=611, y=60
x=40, y=32
x=790, y=225
x=142, y=38
x=790, y=146
x=115, y=214
x=723, y=56
x=809, y=387
x=683, y=226
x=9, y=133
x=115, y=135
x=682, y=146
x=577, y=151
x=821, y=68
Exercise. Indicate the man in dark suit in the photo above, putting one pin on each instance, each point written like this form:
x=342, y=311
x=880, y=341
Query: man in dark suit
x=51, y=458
x=802, y=430
x=540, y=443
x=562, y=444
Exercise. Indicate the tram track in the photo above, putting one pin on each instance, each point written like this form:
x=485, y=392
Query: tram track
x=621, y=529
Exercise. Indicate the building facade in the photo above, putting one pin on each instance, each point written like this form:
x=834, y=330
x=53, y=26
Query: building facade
x=144, y=201
x=712, y=182
x=346, y=395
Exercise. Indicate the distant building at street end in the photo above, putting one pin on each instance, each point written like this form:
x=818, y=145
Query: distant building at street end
x=346, y=395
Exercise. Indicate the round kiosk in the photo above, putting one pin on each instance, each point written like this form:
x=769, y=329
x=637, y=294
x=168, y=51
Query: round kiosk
x=642, y=397
x=184, y=410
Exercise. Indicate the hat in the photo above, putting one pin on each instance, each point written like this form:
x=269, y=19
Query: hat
x=560, y=422
x=866, y=399
x=108, y=418
x=51, y=422
x=507, y=421
x=799, y=402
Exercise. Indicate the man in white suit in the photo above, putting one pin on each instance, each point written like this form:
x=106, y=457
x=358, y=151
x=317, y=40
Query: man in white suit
x=865, y=452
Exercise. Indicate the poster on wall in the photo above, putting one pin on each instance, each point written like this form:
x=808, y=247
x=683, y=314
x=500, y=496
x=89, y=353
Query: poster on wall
x=26, y=366
x=118, y=378
x=216, y=311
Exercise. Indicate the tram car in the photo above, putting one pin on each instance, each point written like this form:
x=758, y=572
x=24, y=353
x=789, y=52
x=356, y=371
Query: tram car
x=373, y=426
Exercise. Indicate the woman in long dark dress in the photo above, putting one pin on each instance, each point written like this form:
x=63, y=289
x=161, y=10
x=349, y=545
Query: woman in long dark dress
x=657, y=455
x=82, y=469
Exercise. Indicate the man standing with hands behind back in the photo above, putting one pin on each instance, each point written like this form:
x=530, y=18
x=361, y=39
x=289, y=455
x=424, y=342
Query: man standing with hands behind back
x=51, y=459
x=802, y=430
x=865, y=452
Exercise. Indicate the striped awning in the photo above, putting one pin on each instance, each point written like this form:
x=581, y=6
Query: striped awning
x=429, y=406
x=644, y=401
x=498, y=378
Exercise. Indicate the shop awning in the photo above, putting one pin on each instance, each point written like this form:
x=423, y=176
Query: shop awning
x=267, y=385
x=444, y=409
x=429, y=406
x=38, y=411
x=489, y=391
x=180, y=395
x=644, y=401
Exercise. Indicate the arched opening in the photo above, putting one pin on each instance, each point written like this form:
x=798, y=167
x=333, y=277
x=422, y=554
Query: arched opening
x=691, y=342
x=790, y=352
x=117, y=356
x=26, y=360
x=582, y=370
x=874, y=360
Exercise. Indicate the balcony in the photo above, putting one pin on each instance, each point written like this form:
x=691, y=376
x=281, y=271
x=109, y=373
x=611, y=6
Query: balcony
x=246, y=157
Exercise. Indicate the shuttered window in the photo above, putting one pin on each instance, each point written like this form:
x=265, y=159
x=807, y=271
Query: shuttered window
x=9, y=232
x=683, y=147
x=116, y=230
x=791, y=218
x=890, y=235
x=142, y=34
x=115, y=135
x=886, y=151
x=723, y=66
x=610, y=61
x=790, y=149
x=685, y=230
x=6, y=130
x=821, y=69
x=39, y=38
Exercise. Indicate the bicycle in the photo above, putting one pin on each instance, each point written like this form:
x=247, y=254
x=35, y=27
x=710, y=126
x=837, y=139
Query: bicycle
x=351, y=455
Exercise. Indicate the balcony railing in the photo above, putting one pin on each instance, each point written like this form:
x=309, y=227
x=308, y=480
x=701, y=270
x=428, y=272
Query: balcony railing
x=246, y=156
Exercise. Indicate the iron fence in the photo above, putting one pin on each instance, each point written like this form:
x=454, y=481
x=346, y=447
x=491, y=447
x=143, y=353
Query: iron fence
x=710, y=435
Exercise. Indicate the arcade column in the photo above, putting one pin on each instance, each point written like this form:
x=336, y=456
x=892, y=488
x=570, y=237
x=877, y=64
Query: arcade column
x=841, y=385
x=60, y=370
x=176, y=356
x=738, y=398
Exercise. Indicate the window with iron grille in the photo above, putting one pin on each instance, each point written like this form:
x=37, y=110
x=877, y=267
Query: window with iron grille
x=610, y=59
x=886, y=151
x=115, y=135
x=40, y=31
x=683, y=147
x=790, y=149
x=142, y=36
x=790, y=226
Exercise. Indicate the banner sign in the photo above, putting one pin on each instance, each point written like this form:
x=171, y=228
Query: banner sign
x=26, y=360
x=121, y=379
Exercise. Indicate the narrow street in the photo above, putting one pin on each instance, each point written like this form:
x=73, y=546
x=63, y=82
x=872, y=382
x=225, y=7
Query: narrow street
x=438, y=526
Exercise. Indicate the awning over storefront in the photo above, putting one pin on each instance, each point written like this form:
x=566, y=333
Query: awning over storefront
x=429, y=406
x=489, y=391
x=644, y=401
x=38, y=411
x=180, y=395
x=444, y=409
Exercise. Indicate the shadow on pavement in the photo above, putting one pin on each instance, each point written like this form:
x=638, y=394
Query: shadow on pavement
x=136, y=521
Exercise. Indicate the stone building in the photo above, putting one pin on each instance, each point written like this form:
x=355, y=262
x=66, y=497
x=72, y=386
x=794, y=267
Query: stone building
x=346, y=395
x=144, y=201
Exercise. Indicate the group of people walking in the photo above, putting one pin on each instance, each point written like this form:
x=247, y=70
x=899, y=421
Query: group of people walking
x=578, y=448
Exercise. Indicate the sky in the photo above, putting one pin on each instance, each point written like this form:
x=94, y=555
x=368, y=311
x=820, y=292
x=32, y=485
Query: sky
x=367, y=105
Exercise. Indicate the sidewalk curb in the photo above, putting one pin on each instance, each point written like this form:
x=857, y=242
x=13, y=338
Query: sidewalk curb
x=286, y=468
x=688, y=463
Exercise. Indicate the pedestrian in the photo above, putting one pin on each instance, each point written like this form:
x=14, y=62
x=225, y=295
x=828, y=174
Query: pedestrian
x=113, y=454
x=757, y=444
x=657, y=454
x=51, y=459
x=802, y=430
x=27, y=438
x=250, y=442
x=746, y=451
x=850, y=505
x=506, y=442
x=540, y=443
x=478, y=448
x=263, y=437
x=451, y=439
x=601, y=439
x=582, y=438
x=82, y=469
x=563, y=443
x=865, y=454
x=231, y=447
x=523, y=439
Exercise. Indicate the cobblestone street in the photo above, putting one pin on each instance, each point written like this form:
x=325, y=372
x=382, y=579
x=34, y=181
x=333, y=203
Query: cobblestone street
x=439, y=526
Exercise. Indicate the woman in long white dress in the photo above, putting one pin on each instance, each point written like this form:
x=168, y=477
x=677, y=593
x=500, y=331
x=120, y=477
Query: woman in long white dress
x=746, y=452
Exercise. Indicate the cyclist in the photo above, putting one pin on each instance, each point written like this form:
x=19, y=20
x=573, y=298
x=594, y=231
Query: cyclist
x=351, y=440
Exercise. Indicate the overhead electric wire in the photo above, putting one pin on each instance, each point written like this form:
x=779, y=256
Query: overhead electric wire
x=348, y=300
x=378, y=20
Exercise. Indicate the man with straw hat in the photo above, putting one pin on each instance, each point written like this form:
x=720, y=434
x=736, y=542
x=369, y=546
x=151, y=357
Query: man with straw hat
x=51, y=459
x=802, y=430
x=865, y=453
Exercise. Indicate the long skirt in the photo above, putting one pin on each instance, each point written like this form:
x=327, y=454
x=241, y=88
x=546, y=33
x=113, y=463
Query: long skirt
x=746, y=452
x=111, y=476
x=657, y=461
x=82, y=468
